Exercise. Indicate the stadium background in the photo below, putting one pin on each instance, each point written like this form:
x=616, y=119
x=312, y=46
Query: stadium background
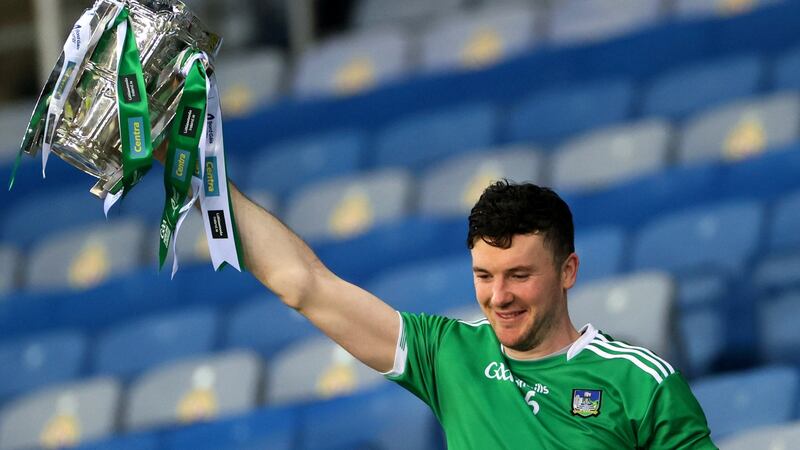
x=671, y=127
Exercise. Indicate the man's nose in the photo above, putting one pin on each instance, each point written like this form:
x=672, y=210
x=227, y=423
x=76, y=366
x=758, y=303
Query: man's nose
x=500, y=293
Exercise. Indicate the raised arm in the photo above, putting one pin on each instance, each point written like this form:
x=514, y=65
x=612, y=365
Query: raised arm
x=364, y=325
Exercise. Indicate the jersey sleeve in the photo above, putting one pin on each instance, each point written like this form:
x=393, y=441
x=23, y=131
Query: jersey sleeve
x=415, y=356
x=674, y=419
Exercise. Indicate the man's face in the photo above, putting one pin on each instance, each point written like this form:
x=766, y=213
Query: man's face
x=520, y=289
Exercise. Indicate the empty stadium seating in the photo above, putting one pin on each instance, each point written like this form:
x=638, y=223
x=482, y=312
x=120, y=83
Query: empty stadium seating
x=481, y=38
x=158, y=339
x=61, y=415
x=609, y=304
x=194, y=390
x=742, y=400
x=672, y=128
x=313, y=369
x=353, y=63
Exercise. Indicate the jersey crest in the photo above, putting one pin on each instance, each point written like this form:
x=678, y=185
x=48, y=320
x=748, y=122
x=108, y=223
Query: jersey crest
x=586, y=402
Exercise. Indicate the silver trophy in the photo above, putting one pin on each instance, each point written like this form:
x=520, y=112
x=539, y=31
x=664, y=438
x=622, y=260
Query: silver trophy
x=87, y=133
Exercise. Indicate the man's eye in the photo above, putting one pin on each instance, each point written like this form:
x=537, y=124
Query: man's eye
x=520, y=276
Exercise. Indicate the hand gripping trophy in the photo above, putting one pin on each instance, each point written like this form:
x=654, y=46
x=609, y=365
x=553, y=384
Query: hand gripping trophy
x=132, y=74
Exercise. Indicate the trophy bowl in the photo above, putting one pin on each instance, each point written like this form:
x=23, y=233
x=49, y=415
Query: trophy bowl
x=87, y=133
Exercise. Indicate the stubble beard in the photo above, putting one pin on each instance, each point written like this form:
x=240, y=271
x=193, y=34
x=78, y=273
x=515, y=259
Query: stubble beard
x=540, y=328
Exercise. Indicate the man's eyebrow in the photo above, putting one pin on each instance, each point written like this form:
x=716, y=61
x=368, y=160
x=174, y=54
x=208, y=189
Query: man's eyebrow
x=520, y=268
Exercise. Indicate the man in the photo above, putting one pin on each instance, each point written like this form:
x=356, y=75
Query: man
x=524, y=377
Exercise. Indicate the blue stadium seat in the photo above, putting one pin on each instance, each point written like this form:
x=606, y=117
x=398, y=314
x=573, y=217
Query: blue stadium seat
x=479, y=38
x=191, y=244
x=702, y=336
x=702, y=288
x=611, y=155
x=642, y=199
x=61, y=416
x=783, y=228
x=784, y=436
x=546, y=116
x=778, y=334
x=249, y=80
x=49, y=211
x=740, y=401
x=580, y=21
x=372, y=13
x=720, y=236
x=194, y=390
x=284, y=166
x=128, y=349
x=145, y=201
x=38, y=360
x=83, y=257
x=352, y=63
x=14, y=118
x=10, y=263
x=131, y=441
x=690, y=88
x=345, y=207
x=385, y=246
x=636, y=308
x=266, y=326
x=721, y=8
x=452, y=187
x=776, y=273
x=200, y=284
x=430, y=286
x=741, y=129
x=314, y=369
x=385, y=419
x=601, y=252
x=421, y=138
x=786, y=73
x=267, y=428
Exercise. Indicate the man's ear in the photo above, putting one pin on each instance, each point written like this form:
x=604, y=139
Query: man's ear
x=569, y=270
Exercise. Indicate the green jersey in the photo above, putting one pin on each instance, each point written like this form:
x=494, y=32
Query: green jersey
x=600, y=394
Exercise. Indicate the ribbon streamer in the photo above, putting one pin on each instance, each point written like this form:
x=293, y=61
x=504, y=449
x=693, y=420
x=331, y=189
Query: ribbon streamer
x=182, y=153
x=133, y=111
x=220, y=223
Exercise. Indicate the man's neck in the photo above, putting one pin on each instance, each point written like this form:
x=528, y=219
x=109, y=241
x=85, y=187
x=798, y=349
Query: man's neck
x=559, y=339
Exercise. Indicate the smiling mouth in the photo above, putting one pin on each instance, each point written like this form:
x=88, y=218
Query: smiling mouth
x=509, y=315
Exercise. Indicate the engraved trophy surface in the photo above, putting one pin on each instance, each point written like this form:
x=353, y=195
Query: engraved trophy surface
x=87, y=133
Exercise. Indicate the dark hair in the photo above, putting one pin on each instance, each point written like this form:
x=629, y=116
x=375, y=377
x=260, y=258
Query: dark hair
x=506, y=209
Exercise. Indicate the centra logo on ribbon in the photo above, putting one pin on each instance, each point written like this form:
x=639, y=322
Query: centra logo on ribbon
x=62, y=83
x=130, y=89
x=179, y=169
x=189, y=122
x=212, y=186
x=136, y=137
x=216, y=218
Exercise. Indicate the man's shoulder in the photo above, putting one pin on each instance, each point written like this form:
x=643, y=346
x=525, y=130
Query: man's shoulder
x=455, y=331
x=627, y=363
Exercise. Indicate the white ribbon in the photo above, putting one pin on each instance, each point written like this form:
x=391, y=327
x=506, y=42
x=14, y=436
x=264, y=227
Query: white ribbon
x=81, y=39
x=214, y=195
